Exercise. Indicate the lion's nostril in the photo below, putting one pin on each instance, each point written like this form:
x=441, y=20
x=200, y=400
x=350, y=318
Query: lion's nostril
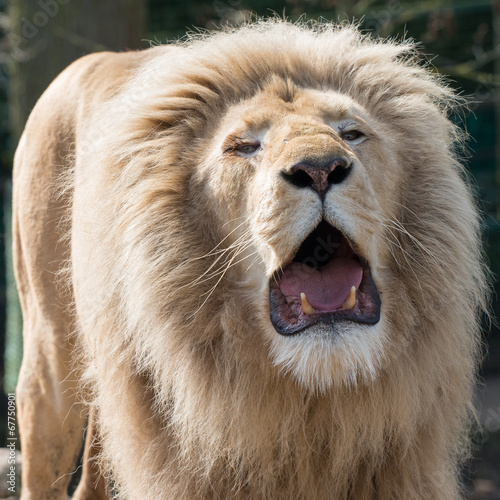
x=300, y=178
x=318, y=177
x=339, y=175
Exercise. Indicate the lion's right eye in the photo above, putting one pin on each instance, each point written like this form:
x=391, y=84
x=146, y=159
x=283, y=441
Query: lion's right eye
x=247, y=149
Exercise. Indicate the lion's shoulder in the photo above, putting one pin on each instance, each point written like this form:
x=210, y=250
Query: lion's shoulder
x=47, y=148
x=85, y=84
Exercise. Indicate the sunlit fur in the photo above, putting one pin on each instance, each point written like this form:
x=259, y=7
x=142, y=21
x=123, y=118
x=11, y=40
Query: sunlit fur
x=174, y=243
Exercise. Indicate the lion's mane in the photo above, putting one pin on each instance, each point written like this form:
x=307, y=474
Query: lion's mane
x=187, y=390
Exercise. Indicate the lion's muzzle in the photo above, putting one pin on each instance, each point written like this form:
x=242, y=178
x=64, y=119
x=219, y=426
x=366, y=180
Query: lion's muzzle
x=326, y=282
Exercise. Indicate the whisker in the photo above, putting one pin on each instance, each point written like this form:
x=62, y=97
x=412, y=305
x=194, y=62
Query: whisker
x=207, y=277
x=212, y=290
x=211, y=252
x=406, y=256
x=232, y=264
x=232, y=220
x=398, y=226
x=236, y=247
x=251, y=264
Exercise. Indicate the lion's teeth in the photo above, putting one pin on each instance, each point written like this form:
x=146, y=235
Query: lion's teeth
x=350, y=302
x=306, y=307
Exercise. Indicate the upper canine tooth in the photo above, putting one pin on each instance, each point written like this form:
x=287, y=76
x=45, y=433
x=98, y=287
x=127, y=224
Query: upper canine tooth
x=350, y=302
x=306, y=307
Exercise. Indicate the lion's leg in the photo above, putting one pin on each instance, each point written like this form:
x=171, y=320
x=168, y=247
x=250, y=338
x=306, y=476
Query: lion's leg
x=50, y=413
x=93, y=485
x=50, y=423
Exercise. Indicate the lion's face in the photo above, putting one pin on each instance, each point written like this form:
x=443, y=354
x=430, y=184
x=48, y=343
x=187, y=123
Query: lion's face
x=305, y=186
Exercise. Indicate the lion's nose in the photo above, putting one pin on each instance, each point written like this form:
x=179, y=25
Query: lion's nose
x=319, y=176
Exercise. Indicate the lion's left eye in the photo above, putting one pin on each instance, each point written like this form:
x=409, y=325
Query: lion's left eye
x=351, y=135
x=247, y=149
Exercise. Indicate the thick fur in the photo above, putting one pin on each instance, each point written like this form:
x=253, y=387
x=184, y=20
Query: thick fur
x=171, y=243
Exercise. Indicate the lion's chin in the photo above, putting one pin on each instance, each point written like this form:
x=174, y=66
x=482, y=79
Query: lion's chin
x=320, y=362
x=325, y=283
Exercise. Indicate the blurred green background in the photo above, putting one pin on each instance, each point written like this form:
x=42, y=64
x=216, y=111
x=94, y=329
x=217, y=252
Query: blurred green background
x=461, y=38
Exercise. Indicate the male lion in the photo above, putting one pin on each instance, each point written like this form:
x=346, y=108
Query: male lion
x=255, y=256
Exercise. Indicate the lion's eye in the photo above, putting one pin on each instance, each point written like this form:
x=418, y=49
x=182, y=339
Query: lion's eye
x=351, y=135
x=247, y=149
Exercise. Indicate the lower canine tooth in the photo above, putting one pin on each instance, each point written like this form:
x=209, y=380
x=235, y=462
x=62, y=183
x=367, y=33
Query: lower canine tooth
x=350, y=302
x=306, y=307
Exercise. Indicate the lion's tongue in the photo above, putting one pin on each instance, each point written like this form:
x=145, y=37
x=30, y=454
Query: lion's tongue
x=326, y=287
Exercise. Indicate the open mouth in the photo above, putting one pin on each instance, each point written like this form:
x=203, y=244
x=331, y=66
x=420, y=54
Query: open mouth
x=326, y=282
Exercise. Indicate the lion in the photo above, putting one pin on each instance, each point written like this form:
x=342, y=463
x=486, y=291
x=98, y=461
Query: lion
x=254, y=258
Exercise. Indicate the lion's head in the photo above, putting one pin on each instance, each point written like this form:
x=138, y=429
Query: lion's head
x=288, y=237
